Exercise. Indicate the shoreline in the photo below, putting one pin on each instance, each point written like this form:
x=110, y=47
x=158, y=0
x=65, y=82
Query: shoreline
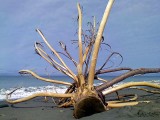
x=26, y=91
x=37, y=109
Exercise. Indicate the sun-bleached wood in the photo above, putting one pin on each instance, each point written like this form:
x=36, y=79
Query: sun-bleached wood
x=97, y=43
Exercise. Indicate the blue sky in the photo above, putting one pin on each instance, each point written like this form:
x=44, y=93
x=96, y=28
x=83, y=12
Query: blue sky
x=133, y=29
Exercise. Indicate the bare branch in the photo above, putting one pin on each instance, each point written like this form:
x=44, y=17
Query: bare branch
x=55, y=64
x=64, y=47
x=112, y=70
x=126, y=75
x=149, y=91
x=101, y=79
x=108, y=58
x=86, y=53
x=88, y=60
x=58, y=56
x=125, y=98
x=103, y=43
x=97, y=44
x=80, y=65
x=130, y=84
x=80, y=33
x=94, y=25
x=44, y=94
x=41, y=52
x=118, y=104
x=9, y=94
x=44, y=79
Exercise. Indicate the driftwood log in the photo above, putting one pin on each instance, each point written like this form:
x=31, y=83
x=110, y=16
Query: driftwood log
x=86, y=98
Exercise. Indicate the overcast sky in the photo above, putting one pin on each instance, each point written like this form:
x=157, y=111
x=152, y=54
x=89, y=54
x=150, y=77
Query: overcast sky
x=133, y=29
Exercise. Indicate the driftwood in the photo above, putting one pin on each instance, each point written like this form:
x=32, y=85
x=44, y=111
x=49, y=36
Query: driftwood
x=86, y=98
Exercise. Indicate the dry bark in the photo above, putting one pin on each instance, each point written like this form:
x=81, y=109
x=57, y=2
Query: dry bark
x=127, y=75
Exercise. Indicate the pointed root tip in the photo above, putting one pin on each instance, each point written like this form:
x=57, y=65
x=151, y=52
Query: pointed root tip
x=23, y=72
x=37, y=30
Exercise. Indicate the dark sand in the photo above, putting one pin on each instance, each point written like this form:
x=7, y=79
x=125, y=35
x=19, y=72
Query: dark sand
x=37, y=109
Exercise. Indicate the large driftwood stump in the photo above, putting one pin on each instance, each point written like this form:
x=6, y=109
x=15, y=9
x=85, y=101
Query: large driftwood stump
x=86, y=98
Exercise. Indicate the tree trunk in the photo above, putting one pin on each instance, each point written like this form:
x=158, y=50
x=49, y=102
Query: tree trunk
x=88, y=105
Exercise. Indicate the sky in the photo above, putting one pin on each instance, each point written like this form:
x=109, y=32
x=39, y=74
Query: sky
x=133, y=30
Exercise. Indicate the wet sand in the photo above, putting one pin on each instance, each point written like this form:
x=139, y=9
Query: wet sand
x=37, y=109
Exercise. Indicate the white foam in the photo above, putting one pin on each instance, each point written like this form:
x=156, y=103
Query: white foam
x=24, y=92
x=27, y=91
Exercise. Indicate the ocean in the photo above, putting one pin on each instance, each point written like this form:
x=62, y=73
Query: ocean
x=29, y=85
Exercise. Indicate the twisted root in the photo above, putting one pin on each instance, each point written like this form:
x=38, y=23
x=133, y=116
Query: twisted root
x=42, y=94
x=130, y=84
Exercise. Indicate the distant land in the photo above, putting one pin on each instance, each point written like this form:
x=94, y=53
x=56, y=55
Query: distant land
x=107, y=74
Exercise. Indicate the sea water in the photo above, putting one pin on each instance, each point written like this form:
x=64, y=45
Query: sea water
x=29, y=85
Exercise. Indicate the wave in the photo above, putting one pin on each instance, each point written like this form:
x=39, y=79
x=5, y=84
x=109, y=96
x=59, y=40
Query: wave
x=27, y=91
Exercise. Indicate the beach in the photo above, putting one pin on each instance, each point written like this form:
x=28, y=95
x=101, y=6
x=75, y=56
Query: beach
x=38, y=109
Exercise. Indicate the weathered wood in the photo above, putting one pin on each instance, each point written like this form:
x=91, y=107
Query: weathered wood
x=88, y=105
x=127, y=75
x=82, y=94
